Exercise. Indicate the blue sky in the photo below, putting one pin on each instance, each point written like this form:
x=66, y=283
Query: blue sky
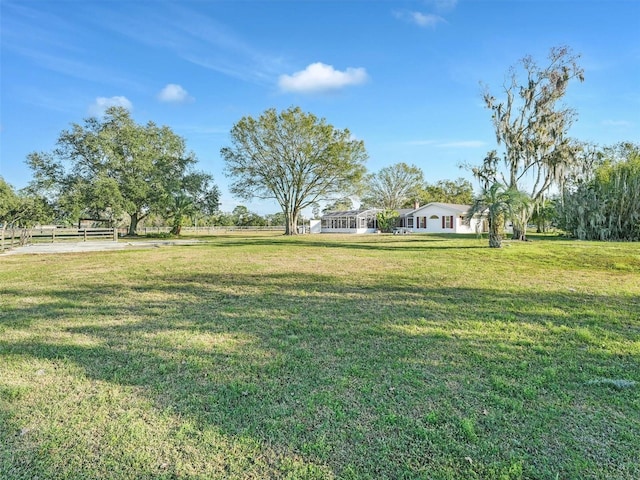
x=404, y=76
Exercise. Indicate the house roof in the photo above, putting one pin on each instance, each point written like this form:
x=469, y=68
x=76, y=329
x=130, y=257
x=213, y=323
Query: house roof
x=405, y=211
x=350, y=213
x=454, y=207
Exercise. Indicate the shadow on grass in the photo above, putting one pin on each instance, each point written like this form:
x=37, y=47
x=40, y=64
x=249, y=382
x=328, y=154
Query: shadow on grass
x=385, y=242
x=373, y=380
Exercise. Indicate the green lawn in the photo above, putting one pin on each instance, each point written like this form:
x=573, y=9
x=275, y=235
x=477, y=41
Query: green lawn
x=355, y=357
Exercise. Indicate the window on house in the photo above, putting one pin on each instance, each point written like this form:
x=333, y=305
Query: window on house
x=447, y=221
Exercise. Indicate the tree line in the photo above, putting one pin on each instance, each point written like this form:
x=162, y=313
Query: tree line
x=111, y=168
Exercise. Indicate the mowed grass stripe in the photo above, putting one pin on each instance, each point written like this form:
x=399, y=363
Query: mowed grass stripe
x=323, y=357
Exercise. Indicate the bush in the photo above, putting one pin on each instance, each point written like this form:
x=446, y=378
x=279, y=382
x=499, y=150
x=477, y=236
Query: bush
x=159, y=235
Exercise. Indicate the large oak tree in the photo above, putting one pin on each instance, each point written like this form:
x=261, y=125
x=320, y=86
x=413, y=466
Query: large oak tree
x=294, y=158
x=111, y=165
x=393, y=186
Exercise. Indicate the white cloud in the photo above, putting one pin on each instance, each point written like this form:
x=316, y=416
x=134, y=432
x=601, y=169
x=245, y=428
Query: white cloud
x=319, y=77
x=420, y=19
x=174, y=93
x=98, y=107
x=426, y=19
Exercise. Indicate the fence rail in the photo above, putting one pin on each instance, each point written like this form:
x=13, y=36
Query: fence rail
x=14, y=237
x=207, y=229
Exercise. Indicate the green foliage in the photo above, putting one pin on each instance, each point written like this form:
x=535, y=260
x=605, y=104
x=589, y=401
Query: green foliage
x=8, y=201
x=22, y=209
x=275, y=219
x=458, y=191
x=341, y=204
x=159, y=235
x=605, y=204
x=544, y=215
x=393, y=186
x=387, y=220
x=498, y=203
x=242, y=217
x=112, y=166
x=294, y=158
x=192, y=197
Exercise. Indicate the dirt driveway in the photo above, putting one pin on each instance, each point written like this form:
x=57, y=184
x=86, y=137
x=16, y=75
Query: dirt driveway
x=93, y=246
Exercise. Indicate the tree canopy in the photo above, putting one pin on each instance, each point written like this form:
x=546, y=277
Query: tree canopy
x=111, y=166
x=532, y=128
x=294, y=158
x=193, y=196
x=393, y=186
x=21, y=209
x=9, y=201
x=340, y=204
x=458, y=191
x=498, y=202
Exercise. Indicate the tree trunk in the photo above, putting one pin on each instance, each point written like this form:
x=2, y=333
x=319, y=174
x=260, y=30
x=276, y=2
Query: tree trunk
x=176, y=228
x=519, y=234
x=495, y=240
x=291, y=227
x=495, y=231
x=133, y=226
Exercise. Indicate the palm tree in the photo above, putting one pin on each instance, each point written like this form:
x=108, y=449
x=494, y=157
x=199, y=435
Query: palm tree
x=497, y=202
x=181, y=206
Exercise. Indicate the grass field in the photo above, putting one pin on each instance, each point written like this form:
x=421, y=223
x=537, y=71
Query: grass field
x=352, y=357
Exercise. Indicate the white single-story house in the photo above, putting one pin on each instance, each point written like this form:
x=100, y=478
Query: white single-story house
x=350, y=221
x=438, y=217
x=434, y=217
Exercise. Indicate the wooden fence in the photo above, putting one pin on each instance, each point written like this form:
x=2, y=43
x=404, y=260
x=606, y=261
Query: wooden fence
x=14, y=237
x=207, y=229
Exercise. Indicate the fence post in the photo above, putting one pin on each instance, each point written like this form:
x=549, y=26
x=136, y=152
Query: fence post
x=115, y=234
x=53, y=234
x=85, y=235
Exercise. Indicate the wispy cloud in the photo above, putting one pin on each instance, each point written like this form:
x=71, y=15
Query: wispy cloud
x=198, y=39
x=63, y=100
x=426, y=20
x=78, y=69
x=174, y=93
x=319, y=77
x=98, y=107
x=49, y=41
